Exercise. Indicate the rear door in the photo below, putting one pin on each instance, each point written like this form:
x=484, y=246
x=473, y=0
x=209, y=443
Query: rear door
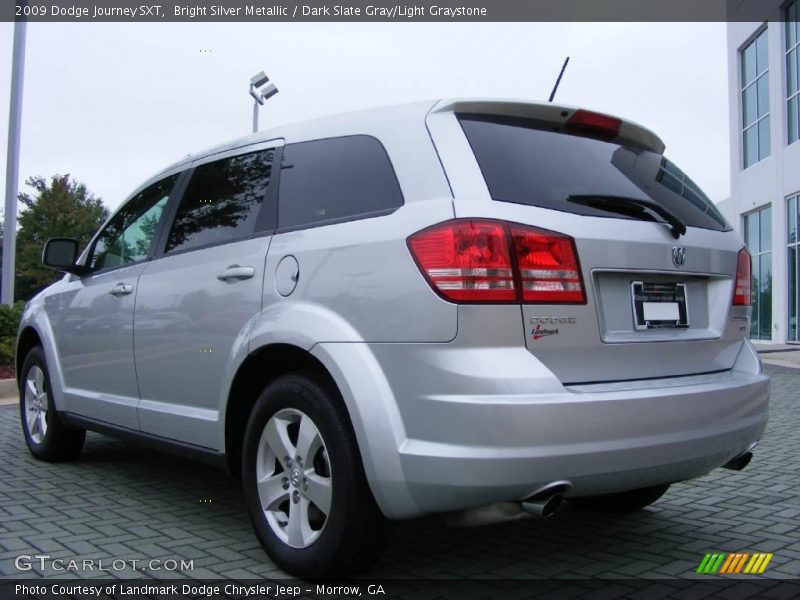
x=197, y=300
x=656, y=258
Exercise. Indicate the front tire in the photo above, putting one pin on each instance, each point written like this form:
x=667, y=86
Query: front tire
x=623, y=502
x=46, y=436
x=304, y=482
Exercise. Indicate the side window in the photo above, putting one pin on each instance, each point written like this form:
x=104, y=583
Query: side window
x=335, y=179
x=222, y=200
x=129, y=234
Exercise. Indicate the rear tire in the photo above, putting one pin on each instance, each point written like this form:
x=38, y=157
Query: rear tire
x=46, y=436
x=623, y=502
x=315, y=517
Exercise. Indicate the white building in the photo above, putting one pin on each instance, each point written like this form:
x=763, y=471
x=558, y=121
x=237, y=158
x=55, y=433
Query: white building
x=765, y=162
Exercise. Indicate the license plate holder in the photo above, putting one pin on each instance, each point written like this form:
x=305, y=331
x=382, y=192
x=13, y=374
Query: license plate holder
x=659, y=305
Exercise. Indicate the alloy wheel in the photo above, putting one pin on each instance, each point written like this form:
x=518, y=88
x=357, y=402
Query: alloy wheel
x=293, y=475
x=36, y=404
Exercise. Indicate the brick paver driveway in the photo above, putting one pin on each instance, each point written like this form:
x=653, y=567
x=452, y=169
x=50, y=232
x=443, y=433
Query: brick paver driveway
x=123, y=502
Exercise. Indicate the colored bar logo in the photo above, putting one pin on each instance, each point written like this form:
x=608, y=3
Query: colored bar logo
x=734, y=562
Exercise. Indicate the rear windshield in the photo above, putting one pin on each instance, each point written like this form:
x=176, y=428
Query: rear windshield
x=526, y=162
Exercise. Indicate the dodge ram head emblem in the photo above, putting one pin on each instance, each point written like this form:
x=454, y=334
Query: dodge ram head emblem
x=678, y=255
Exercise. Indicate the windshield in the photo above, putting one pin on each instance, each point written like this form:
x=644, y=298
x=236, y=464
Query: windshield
x=526, y=162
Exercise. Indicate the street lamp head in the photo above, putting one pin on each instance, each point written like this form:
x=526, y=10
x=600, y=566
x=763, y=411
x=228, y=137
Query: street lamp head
x=268, y=91
x=260, y=87
x=259, y=79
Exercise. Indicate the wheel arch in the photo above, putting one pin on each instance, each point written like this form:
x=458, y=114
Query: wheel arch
x=262, y=366
x=27, y=339
x=360, y=385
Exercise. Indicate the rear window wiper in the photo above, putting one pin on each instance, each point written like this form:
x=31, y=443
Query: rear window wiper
x=624, y=204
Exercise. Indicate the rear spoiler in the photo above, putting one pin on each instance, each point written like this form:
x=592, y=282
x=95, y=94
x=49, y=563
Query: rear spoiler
x=630, y=134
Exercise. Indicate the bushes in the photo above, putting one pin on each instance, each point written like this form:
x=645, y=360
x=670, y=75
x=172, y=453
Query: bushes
x=9, y=323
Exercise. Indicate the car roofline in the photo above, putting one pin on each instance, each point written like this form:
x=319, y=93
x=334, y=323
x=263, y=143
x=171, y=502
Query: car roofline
x=630, y=133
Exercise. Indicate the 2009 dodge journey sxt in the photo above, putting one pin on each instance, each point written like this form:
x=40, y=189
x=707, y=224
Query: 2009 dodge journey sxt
x=470, y=307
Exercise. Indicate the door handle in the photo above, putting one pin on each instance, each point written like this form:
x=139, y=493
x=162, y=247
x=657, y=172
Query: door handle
x=121, y=289
x=236, y=272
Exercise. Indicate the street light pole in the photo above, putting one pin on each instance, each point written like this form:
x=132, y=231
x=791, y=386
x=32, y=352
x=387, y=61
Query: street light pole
x=12, y=164
x=261, y=89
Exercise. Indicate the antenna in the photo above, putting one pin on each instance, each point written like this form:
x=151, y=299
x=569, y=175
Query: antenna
x=561, y=74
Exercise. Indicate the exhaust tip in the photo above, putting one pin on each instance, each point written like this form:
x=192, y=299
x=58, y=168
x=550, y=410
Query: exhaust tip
x=740, y=462
x=552, y=505
x=543, y=506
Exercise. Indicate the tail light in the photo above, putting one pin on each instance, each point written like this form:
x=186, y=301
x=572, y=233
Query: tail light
x=487, y=261
x=741, y=290
x=466, y=261
x=548, y=266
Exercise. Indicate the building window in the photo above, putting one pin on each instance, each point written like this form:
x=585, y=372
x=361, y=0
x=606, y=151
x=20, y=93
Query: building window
x=793, y=70
x=755, y=100
x=792, y=223
x=758, y=237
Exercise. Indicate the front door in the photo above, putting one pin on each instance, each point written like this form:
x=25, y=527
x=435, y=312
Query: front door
x=94, y=334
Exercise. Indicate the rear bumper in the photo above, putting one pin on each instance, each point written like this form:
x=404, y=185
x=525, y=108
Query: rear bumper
x=478, y=435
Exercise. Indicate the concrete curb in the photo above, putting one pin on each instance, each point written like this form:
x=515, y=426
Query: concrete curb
x=8, y=387
x=789, y=364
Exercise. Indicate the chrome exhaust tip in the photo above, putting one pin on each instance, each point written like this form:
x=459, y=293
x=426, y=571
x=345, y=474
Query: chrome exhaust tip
x=546, y=501
x=546, y=507
x=740, y=462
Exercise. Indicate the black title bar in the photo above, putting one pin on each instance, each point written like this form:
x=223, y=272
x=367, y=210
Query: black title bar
x=134, y=11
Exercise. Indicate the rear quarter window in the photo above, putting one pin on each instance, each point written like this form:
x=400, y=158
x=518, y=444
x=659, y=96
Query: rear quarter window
x=335, y=179
x=526, y=162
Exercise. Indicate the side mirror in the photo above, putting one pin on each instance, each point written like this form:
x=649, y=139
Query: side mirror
x=60, y=254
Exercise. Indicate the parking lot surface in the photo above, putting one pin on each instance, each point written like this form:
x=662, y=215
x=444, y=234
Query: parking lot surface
x=120, y=502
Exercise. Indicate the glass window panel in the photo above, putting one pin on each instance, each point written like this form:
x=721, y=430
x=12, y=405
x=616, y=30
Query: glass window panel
x=762, y=60
x=750, y=146
x=524, y=163
x=672, y=168
x=791, y=220
x=765, y=297
x=793, y=293
x=795, y=18
x=748, y=64
x=749, y=105
x=791, y=72
x=765, y=227
x=336, y=178
x=797, y=215
x=672, y=183
x=754, y=300
x=763, y=138
x=791, y=29
x=793, y=119
x=751, y=232
x=222, y=201
x=763, y=94
x=129, y=234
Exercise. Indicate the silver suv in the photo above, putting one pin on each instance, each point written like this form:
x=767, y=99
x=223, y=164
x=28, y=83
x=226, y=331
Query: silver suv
x=468, y=307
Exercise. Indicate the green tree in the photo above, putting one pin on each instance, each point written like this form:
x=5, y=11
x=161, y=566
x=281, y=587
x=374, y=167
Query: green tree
x=61, y=207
